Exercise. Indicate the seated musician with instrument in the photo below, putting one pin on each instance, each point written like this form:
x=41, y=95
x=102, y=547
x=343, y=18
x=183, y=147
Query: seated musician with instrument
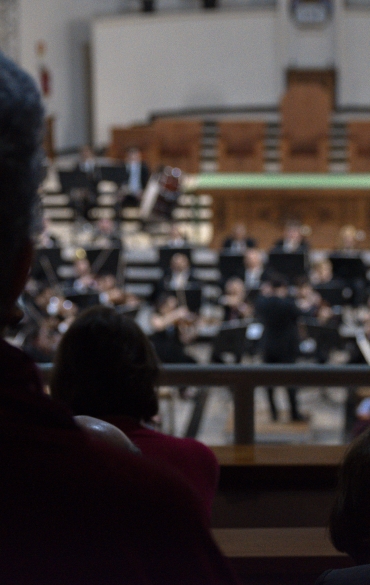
x=293, y=240
x=105, y=367
x=236, y=309
x=238, y=241
x=173, y=328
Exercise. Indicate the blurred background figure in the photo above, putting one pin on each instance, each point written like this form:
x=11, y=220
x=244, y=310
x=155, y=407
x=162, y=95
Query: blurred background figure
x=239, y=240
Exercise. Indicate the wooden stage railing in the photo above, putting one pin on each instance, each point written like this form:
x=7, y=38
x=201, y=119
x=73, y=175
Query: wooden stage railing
x=244, y=379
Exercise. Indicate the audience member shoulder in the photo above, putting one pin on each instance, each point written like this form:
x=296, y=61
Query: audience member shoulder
x=359, y=575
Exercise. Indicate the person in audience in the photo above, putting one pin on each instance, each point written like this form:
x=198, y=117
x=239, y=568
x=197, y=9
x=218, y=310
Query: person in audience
x=137, y=177
x=77, y=503
x=280, y=340
x=239, y=240
x=293, y=239
x=350, y=516
x=106, y=367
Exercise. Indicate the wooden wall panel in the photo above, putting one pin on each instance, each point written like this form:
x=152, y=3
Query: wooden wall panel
x=265, y=212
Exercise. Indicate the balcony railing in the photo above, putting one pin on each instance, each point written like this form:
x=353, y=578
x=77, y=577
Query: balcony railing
x=244, y=379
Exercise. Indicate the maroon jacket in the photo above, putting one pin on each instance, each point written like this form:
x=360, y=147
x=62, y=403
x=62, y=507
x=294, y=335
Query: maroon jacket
x=194, y=460
x=77, y=511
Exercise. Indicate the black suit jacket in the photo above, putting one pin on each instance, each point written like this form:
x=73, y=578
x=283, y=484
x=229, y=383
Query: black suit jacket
x=280, y=339
x=228, y=243
x=352, y=576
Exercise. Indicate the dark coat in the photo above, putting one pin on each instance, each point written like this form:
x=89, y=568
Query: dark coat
x=280, y=339
x=352, y=576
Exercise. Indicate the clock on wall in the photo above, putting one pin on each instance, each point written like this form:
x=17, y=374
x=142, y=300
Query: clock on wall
x=311, y=12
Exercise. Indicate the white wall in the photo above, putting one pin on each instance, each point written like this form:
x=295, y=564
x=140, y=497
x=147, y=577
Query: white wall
x=243, y=56
x=354, y=62
x=166, y=62
x=64, y=26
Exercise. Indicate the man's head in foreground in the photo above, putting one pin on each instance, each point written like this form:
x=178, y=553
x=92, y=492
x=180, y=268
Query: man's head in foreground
x=21, y=126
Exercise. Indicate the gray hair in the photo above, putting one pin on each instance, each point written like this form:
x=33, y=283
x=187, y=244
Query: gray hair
x=21, y=129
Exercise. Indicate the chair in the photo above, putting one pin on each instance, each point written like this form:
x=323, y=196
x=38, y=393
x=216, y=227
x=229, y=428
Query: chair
x=359, y=146
x=123, y=138
x=305, y=112
x=177, y=144
x=240, y=146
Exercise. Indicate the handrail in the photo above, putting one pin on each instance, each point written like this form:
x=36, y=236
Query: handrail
x=244, y=378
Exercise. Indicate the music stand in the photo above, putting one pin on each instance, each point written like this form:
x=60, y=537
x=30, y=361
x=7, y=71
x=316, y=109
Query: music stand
x=46, y=264
x=166, y=253
x=104, y=261
x=348, y=268
x=84, y=300
x=291, y=265
x=193, y=296
x=230, y=339
x=326, y=336
x=231, y=265
x=335, y=294
x=73, y=180
x=116, y=174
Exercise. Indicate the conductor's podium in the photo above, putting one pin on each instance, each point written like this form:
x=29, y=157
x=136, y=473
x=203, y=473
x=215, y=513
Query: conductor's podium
x=323, y=202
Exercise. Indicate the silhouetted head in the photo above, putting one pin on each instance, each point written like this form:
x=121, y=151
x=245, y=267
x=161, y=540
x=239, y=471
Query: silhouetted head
x=21, y=127
x=105, y=365
x=350, y=516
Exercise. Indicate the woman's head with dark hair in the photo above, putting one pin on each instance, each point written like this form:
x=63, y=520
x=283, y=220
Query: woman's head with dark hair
x=105, y=366
x=350, y=516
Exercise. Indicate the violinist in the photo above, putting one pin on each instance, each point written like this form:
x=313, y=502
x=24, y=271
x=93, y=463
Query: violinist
x=234, y=300
x=235, y=308
x=110, y=294
x=173, y=328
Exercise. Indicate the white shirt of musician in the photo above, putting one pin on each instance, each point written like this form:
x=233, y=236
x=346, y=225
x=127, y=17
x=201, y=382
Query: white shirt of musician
x=252, y=277
x=179, y=280
x=134, y=184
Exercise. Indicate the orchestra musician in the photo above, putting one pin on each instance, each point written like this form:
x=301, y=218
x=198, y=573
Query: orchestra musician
x=235, y=308
x=292, y=240
x=239, y=240
x=173, y=326
x=83, y=199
